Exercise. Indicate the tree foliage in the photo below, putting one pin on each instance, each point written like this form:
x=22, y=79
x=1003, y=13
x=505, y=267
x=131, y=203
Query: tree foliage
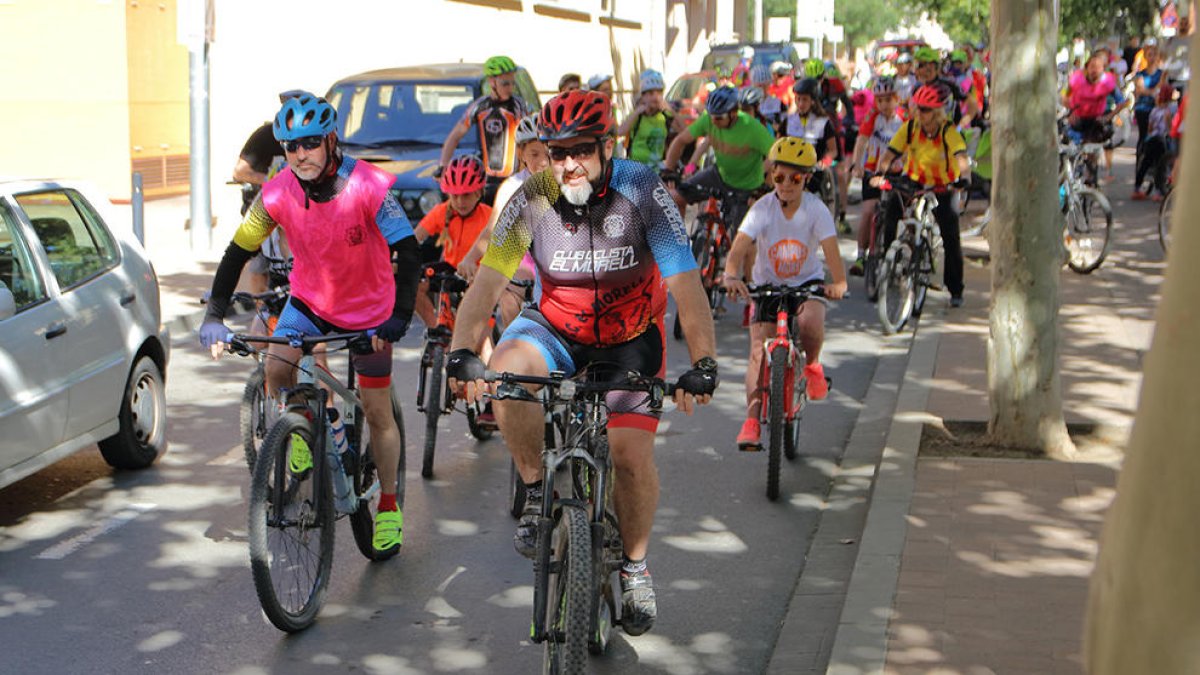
x=866, y=20
x=967, y=20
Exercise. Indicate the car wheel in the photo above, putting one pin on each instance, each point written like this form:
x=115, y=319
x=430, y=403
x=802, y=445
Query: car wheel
x=143, y=418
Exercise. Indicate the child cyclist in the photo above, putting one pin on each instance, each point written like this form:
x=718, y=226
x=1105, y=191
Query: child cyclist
x=874, y=134
x=456, y=222
x=786, y=227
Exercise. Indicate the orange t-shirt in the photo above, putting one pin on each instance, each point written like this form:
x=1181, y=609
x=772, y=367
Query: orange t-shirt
x=461, y=233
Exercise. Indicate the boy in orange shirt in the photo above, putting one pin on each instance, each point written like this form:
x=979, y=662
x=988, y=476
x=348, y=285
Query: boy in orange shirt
x=455, y=222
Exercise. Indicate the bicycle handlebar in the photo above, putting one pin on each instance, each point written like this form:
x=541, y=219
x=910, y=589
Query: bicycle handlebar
x=240, y=342
x=279, y=292
x=570, y=387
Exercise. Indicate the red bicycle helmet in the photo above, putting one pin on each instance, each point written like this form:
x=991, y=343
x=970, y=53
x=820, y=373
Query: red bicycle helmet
x=575, y=113
x=929, y=96
x=464, y=174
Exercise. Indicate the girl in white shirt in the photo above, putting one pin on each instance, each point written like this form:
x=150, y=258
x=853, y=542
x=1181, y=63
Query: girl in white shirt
x=785, y=228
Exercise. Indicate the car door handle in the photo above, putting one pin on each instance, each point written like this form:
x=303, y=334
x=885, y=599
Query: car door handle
x=128, y=298
x=55, y=329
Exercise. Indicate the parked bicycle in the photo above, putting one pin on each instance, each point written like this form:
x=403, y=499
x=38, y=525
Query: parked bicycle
x=711, y=239
x=579, y=549
x=910, y=264
x=781, y=378
x=292, y=514
x=434, y=397
x=1087, y=215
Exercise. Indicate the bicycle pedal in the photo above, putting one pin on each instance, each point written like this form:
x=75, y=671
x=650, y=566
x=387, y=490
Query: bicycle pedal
x=750, y=447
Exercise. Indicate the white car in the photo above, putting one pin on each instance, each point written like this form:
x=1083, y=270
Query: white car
x=82, y=350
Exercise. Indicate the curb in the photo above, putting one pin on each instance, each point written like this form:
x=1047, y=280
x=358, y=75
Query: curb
x=861, y=637
x=810, y=622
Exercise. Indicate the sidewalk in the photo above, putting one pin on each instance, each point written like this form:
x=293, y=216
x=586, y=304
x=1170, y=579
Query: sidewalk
x=981, y=564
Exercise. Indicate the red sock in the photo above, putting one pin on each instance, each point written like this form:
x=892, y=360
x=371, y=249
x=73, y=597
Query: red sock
x=387, y=502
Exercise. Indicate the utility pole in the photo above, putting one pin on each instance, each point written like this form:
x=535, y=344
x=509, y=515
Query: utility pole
x=195, y=31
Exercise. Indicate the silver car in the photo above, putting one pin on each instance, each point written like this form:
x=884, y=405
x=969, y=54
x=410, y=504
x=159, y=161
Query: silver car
x=82, y=351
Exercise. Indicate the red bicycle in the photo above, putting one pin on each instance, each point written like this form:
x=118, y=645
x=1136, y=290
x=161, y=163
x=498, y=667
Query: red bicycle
x=711, y=239
x=781, y=378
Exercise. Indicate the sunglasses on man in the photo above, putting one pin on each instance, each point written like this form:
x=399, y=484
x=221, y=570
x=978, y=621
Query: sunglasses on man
x=559, y=153
x=308, y=143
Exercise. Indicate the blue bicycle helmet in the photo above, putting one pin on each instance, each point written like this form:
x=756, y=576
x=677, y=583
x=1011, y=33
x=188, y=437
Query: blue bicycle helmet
x=722, y=100
x=760, y=75
x=304, y=116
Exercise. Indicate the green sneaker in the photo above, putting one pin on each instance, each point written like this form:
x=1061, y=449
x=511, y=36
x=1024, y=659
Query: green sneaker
x=299, y=456
x=389, y=530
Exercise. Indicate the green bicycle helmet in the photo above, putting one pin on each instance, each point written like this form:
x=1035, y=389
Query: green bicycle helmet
x=814, y=68
x=926, y=54
x=498, y=65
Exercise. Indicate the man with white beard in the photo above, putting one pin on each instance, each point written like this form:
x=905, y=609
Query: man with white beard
x=608, y=243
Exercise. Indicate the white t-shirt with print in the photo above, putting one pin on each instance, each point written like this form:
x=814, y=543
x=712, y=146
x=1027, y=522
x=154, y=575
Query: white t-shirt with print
x=787, y=248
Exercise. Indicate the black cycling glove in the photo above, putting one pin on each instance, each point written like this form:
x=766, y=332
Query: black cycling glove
x=701, y=379
x=464, y=365
x=393, y=329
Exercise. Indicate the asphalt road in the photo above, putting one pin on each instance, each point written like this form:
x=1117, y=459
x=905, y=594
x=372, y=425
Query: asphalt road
x=148, y=572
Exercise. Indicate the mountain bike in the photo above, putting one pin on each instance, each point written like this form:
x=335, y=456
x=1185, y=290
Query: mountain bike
x=781, y=378
x=516, y=487
x=711, y=240
x=579, y=549
x=1165, y=208
x=826, y=180
x=434, y=397
x=910, y=263
x=292, y=514
x=1087, y=215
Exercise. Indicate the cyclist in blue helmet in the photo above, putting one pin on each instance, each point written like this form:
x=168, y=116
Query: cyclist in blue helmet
x=741, y=145
x=345, y=229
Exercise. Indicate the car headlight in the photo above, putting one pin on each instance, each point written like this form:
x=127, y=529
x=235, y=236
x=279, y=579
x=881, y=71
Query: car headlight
x=428, y=200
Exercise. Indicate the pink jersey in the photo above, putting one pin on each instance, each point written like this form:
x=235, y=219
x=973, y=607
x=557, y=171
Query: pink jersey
x=1088, y=99
x=342, y=266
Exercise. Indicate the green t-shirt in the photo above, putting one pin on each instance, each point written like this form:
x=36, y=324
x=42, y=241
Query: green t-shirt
x=740, y=149
x=648, y=142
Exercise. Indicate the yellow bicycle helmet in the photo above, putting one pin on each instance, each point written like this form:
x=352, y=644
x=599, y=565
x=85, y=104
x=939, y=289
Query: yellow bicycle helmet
x=795, y=152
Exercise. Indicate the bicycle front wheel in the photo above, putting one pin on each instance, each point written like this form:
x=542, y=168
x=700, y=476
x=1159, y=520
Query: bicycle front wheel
x=897, y=288
x=290, y=527
x=779, y=356
x=434, y=396
x=1087, y=231
x=1164, y=220
x=366, y=479
x=569, y=602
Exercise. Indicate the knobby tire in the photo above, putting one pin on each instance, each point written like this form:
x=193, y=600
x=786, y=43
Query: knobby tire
x=775, y=404
x=897, y=278
x=569, y=601
x=434, y=396
x=252, y=417
x=362, y=521
x=290, y=595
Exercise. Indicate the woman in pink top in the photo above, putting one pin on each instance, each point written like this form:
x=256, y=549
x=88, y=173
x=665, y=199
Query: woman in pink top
x=1087, y=95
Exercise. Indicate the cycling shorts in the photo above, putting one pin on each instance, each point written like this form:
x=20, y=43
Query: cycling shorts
x=374, y=369
x=869, y=191
x=1092, y=130
x=645, y=354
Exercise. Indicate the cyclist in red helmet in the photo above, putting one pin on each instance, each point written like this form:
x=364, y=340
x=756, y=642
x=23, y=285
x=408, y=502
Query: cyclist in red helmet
x=608, y=243
x=455, y=222
x=935, y=156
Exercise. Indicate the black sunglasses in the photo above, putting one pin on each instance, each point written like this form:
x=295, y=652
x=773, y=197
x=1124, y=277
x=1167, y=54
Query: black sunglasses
x=308, y=143
x=577, y=152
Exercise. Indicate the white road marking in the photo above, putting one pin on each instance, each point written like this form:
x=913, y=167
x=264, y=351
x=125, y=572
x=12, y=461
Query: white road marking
x=68, y=546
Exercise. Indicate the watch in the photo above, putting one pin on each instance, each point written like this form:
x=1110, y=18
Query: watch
x=708, y=364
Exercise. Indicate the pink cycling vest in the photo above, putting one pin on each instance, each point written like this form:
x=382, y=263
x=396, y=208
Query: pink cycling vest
x=342, y=266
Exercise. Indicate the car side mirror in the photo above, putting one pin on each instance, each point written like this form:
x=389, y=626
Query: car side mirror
x=8, y=306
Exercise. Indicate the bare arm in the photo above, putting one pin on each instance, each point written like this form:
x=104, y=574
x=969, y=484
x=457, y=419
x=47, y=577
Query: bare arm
x=837, y=269
x=676, y=150
x=244, y=173
x=628, y=123
x=452, y=140
x=701, y=148
x=695, y=317
x=735, y=281
x=476, y=307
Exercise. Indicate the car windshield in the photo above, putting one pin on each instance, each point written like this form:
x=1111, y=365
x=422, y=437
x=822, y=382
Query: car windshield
x=727, y=61
x=401, y=113
x=686, y=88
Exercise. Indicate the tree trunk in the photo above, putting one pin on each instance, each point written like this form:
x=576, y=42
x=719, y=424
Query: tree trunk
x=1025, y=234
x=1143, y=615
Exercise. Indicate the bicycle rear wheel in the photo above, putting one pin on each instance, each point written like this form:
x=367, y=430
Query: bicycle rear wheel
x=1164, y=220
x=775, y=402
x=571, y=586
x=434, y=396
x=362, y=521
x=897, y=288
x=290, y=528
x=1087, y=231
x=479, y=430
x=874, y=262
x=255, y=416
x=702, y=252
